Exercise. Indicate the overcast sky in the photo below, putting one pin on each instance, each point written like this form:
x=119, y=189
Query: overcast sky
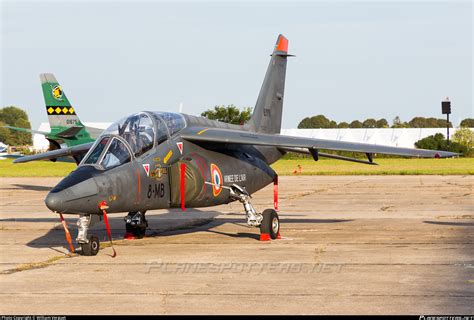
x=354, y=60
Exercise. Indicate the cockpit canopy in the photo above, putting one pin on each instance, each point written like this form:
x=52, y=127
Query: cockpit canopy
x=135, y=134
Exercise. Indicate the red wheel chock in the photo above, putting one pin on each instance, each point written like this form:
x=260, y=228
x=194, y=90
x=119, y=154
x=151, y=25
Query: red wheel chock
x=264, y=237
x=129, y=236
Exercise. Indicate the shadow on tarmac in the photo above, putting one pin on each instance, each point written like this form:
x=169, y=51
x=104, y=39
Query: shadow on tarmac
x=171, y=223
x=451, y=223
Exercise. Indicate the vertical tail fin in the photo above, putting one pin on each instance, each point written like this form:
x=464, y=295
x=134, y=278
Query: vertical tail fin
x=268, y=110
x=59, y=109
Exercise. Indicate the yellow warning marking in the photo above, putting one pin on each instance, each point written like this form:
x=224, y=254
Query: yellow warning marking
x=168, y=156
x=202, y=131
x=50, y=110
x=58, y=110
x=71, y=110
x=65, y=110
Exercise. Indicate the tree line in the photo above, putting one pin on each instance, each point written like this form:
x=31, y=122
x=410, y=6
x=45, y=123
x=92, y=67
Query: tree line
x=320, y=121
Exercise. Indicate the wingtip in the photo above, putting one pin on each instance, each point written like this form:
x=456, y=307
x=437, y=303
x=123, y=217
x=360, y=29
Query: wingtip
x=446, y=154
x=282, y=44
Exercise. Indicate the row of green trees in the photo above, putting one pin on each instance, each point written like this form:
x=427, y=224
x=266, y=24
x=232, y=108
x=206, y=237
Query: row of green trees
x=320, y=121
x=15, y=117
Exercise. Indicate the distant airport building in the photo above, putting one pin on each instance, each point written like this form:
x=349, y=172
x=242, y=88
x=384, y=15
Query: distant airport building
x=399, y=137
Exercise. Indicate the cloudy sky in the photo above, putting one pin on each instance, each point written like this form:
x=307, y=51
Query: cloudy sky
x=354, y=60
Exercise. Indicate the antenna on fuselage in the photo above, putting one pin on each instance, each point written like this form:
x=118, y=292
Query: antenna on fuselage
x=180, y=108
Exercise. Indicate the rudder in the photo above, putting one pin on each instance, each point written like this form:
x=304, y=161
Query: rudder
x=59, y=109
x=267, y=114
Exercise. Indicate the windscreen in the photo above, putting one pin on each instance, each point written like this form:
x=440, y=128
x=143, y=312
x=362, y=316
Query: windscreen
x=95, y=154
x=116, y=154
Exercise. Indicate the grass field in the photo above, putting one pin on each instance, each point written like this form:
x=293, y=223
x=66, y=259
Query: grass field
x=35, y=169
x=459, y=166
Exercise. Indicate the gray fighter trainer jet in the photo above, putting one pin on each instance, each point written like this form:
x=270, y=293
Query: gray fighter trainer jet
x=157, y=160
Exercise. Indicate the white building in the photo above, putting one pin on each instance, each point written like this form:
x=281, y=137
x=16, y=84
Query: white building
x=395, y=137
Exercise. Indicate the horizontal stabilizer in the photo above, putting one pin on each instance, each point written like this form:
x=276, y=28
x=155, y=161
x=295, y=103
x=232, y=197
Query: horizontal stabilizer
x=69, y=133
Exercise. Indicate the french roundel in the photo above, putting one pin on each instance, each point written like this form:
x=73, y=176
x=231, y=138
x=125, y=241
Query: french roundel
x=217, y=181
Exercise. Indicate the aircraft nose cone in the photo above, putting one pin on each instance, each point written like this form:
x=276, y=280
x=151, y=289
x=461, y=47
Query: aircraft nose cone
x=54, y=202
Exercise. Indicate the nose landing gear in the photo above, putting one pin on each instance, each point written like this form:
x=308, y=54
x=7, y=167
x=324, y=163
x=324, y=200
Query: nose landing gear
x=89, y=243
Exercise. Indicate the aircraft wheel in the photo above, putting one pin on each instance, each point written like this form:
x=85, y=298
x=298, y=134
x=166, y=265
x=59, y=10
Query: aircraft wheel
x=92, y=247
x=270, y=223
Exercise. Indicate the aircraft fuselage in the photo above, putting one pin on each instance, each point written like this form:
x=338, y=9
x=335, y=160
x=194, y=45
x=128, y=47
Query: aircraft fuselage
x=153, y=179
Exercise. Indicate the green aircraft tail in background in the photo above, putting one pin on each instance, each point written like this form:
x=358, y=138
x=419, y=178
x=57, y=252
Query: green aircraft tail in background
x=67, y=130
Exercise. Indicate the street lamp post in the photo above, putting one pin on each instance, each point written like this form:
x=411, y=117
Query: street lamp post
x=446, y=109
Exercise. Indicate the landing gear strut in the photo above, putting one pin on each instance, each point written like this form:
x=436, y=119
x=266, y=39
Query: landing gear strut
x=254, y=219
x=135, y=225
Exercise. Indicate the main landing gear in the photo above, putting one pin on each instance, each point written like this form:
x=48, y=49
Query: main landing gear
x=135, y=225
x=268, y=221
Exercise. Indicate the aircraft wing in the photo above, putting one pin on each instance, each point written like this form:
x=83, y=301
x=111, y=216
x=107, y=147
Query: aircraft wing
x=54, y=154
x=217, y=135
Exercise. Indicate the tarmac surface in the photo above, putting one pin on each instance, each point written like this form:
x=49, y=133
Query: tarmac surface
x=351, y=245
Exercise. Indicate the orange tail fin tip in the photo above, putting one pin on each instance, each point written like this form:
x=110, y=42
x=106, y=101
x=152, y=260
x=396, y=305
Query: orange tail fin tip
x=282, y=44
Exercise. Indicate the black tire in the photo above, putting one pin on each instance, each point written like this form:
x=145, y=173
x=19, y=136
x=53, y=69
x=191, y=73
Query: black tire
x=92, y=247
x=270, y=223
